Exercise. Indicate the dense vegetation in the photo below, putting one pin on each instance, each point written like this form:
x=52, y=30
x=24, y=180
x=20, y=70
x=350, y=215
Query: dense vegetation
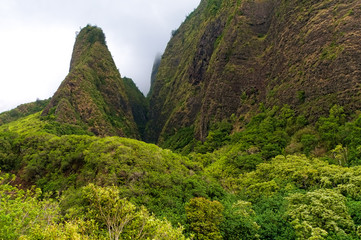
x=257, y=134
x=138, y=103
x=274, y=176
x=23, y=110
x=26, y=214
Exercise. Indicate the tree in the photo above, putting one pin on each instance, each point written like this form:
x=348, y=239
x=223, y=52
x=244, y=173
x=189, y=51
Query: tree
x=106, y=206
x=340, y=154
x=329, y=127
x=21, y=211
x=123, y=219
x=316, y=214
x=239, y=221
x=204, y=217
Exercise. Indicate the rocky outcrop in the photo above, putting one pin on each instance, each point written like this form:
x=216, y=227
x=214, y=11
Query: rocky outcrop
x=93, y=94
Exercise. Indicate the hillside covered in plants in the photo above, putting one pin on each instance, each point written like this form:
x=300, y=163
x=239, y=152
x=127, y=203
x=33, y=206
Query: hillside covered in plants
x=229, y=56
x=252, y=130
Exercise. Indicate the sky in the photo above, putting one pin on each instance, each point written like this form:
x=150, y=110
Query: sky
x=37, y=39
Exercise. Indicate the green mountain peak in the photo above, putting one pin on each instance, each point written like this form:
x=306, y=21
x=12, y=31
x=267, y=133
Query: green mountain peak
x=85, y=39
x=93, y=93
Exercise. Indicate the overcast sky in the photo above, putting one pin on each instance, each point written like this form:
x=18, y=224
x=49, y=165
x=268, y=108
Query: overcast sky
x=37, y=39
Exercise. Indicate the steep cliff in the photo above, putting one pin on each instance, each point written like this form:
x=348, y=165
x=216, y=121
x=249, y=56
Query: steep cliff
x=93, y=94
x=229, y=56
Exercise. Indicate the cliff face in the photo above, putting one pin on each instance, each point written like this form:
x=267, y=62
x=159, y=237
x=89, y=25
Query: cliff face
x=229, y=56
x=313, y=56
x=93, y=94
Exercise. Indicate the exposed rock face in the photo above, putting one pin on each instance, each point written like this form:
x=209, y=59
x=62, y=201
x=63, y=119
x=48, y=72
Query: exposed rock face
x=229, y=56
x=93, y=94
x=313, y=57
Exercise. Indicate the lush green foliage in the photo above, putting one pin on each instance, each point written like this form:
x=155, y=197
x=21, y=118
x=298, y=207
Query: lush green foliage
x=319, y=212
x=234, y=187
x=92, y=34
x=121, y=218
x=144, y=173
x=204, y=218
x=24, y=215
x=180, y=141
x=23, y=111
x=217, y=137
x=138, y=103
x=245, y=171
x=239, y=220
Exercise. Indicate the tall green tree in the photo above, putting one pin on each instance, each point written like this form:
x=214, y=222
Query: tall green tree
x=123, y=219
x=316, y=214
x=204, y=217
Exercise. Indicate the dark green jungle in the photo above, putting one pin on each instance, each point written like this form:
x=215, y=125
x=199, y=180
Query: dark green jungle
x=251, y=130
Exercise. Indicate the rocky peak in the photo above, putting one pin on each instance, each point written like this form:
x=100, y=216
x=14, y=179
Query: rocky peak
x=93, y=94
x=85, y=39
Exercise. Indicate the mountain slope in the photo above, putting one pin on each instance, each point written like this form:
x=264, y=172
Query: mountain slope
x=93, y=94
x=230, y=56
x=138, y=103
x=23, y=110
x=146, y=174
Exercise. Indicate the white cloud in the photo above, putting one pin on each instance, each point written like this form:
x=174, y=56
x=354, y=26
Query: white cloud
x=34, y=61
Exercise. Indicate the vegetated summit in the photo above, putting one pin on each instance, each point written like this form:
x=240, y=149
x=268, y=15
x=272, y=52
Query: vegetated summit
x=93, y=94
x=257, y=99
